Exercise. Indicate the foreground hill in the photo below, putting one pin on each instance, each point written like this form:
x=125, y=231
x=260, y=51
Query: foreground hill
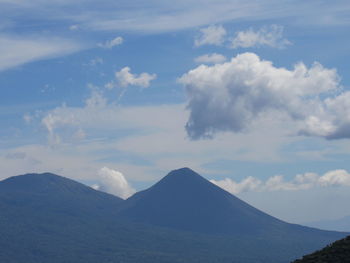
x=49, y=218
x=338, y=252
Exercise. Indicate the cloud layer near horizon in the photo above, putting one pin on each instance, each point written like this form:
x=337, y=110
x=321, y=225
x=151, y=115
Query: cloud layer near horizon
x=232, y=96
x=277, y=182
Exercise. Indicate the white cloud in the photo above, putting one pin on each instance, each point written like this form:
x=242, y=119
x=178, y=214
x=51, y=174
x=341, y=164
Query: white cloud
x=99, y=117
x=125, y=78
x=113, y=182
x=111, y=43
x=142, y=142
x=336, y=177
x=16, y=51
x=154, y=134
x=63, y=117
x=266, y=36
x=212, y=35
x=277, y=183
x=210, y=58
x=74, y=27
x=246, y=185
x=234, y=95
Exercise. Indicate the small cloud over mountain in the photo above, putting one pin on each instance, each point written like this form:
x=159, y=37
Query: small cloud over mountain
x=113, y=182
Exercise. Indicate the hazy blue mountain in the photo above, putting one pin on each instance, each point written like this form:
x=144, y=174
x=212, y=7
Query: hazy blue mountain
x=50, y=191
x=185, y=200
x=49, y=218
x=338, y=252
x=342, y=224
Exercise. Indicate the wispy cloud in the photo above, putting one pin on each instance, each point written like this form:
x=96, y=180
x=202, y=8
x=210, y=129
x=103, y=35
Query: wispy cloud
x=94, y=62
x=112, y=43
x=162, y=16
x=271, y=36
x=212, y=35
x=16, y=51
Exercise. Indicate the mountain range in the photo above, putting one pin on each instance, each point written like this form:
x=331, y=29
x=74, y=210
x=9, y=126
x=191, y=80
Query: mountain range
x=182, y=218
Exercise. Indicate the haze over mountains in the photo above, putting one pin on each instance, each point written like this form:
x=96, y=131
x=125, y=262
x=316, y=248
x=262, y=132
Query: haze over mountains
x=341, y=224
x=182, y=218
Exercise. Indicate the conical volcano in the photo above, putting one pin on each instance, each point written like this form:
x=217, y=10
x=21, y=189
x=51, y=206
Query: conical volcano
x=185, y=200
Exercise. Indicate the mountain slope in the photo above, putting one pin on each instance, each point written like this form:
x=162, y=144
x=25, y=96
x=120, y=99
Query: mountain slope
x=338, y=252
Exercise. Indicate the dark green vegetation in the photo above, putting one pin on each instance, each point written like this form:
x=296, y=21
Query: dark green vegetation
x=338, y=252
x=183, y=218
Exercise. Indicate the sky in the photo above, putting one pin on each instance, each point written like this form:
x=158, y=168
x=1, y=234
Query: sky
x=253, y=95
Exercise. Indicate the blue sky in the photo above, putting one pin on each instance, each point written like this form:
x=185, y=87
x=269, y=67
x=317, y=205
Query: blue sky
x=254, y=96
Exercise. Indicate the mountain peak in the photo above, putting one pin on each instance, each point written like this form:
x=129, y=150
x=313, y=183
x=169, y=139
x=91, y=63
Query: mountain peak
x=49, y=185
x=41, y=183
x=185, y=200
x=33, y=182
x=181, y=177
x=183, y=171
x=53, y=192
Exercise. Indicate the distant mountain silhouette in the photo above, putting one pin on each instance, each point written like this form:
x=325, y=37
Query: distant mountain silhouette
x=185, y=200
x=49, y=191
x=338, y=252
x=182, y=218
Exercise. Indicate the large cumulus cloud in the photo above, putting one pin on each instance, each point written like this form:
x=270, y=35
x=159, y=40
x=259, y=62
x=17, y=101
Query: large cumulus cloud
x=231, y=96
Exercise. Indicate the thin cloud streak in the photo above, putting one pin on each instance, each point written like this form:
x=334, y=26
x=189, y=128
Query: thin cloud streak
x=16, y=51
x=160, y=16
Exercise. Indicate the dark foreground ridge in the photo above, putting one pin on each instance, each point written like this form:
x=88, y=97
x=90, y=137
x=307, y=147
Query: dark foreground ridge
x=182, y=218
x=338, y=252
